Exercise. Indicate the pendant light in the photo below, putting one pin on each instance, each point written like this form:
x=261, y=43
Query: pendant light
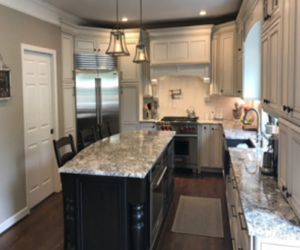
x=117, y=44
x=141, y=55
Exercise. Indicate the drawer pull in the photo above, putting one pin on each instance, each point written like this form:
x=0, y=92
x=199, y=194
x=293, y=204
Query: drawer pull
x=234, y=184
x=233, y=213
x=241, y=222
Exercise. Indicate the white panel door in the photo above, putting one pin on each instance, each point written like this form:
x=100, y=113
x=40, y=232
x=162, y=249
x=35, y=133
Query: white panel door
x=274, y=60
x=216, y=144
x=129, y=107
x=38, y=123
x=205, y=146
x=227, y=64
x=129, y=71
x=283, y=155
x=84, y=45
x=294, y=172
x=67, y=58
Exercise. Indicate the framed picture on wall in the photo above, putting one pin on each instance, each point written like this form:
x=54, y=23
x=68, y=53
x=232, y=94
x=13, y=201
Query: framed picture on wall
x=5, y=92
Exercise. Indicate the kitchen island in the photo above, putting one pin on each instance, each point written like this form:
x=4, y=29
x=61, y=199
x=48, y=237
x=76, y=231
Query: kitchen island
x=117, y=191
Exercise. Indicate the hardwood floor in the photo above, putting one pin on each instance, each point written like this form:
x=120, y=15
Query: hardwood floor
x=205, y=185
x=43, y=228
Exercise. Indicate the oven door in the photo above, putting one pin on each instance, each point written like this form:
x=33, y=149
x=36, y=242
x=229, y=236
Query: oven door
x=157, y=201
x=186, y=147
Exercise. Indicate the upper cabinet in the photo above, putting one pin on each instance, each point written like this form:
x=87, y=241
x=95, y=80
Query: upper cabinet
x=90, y=45
x=180, y=45
x=67, y=43
x=271, y=8
x=224, y=59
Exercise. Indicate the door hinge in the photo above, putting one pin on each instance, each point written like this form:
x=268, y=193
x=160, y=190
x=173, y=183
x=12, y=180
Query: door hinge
x=52, y=131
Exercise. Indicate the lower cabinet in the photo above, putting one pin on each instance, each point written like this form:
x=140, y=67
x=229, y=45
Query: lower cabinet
x=288, y=163
x=148, y=126
x=129, y=107
x=211, y=146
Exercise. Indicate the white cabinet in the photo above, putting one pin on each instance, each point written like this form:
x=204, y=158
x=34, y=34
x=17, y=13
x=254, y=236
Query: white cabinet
x=67, y=43
x=129, y=71
x=283, y=155
x=271, y=66
x=69, y=110
x=211, y=146
x=224, y=59
x=216, y=146
x=293, y=192
x=91, y=45
x=148, y=126
x=271, y=9
x=180, y=45
x=129, y=107
x=288, y=163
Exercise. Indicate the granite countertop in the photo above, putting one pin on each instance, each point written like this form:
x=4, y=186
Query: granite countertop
x=267, y=212
x=128, y=154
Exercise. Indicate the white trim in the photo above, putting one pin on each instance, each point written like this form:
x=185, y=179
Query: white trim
x=13, y=219
x=52, y=53
x=42, y=10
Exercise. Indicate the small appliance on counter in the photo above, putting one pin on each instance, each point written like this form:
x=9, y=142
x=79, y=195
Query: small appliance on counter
x=270, y=160
x=191, y=112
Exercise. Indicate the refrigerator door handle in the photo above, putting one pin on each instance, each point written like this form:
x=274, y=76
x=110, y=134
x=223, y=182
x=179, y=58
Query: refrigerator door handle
x=100, y=101
x=97, y=86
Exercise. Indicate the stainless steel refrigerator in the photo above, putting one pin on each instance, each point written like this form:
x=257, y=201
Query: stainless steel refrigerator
x=97, y=99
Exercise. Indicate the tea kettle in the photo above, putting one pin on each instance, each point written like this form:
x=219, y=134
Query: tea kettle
x=191, y=112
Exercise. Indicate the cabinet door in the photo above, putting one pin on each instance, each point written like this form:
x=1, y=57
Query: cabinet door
x=205, y=145
x=275, y=65
x=216, y=146
x=214, y=65
x=67, y=58
x=227, y=63
x=129, y=71
x=85, y=45
x=102, y=47
x=69, y=110
x=148, y=126
x=283, y=155
x=295, y=85
x=239, y=83
x=130, y=107
x=264, y=68
x=294, y=171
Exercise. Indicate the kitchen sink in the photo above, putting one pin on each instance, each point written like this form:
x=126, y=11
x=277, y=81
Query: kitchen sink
x=233, y=143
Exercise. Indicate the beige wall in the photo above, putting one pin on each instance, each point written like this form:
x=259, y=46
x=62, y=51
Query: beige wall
x=192, y=95
x=17, y=28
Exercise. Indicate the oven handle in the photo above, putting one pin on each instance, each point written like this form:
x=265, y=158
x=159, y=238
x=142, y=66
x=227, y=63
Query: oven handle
x=187, y=135
x=157, y=183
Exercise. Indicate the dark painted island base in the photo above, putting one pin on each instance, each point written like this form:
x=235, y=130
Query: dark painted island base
x=117, y=213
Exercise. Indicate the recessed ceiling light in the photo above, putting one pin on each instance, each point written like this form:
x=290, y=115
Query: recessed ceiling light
x=124, y=19
x=202, y=13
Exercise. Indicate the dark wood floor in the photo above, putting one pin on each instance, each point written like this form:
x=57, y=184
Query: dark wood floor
x=43, y=228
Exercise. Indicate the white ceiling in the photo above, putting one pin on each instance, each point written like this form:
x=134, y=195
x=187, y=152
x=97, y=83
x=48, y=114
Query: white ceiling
x=154, y=11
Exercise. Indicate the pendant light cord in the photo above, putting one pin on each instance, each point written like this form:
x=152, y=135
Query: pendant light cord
x=117, y=13
x=141, y=38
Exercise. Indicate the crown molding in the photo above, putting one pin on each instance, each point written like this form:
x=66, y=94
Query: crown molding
x=42, y=10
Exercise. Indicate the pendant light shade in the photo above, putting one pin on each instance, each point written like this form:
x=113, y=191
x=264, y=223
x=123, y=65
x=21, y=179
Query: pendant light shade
x=141, y=55
x=117, y=44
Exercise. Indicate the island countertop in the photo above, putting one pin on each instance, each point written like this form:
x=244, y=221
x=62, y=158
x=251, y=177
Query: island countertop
x=128, y=154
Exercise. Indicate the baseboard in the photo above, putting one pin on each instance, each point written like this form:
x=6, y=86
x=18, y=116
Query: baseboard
x=13, y=219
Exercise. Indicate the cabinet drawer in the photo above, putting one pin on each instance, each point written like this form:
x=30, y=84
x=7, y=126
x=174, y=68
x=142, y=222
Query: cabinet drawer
x=274, y=244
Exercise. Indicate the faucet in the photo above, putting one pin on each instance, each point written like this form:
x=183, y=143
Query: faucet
x=258, y=122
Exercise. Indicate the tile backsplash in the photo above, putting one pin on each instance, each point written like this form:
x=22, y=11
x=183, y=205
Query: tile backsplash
x=193, y=93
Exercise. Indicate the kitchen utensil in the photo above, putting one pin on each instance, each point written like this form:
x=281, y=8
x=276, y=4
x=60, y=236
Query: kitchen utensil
x=191, y=112
x=237, y=113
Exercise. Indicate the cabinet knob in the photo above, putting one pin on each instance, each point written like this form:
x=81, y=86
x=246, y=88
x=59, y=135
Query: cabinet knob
x=212, y=129
x=222, y=91
x=204, y=127
x=95, y=50
x=284, y=189
x=284, y=108
x=239, y=49
x=289, y=109
x=239, y=91
x=99, y=50
x=288, y=195
x=267, y=17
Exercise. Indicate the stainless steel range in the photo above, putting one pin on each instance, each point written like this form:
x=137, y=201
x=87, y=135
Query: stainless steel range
x=186, y=140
